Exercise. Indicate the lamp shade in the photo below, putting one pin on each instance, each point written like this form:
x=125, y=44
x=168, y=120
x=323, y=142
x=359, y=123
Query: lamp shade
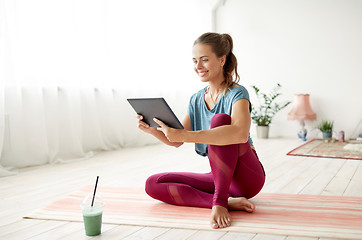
x=301, y=109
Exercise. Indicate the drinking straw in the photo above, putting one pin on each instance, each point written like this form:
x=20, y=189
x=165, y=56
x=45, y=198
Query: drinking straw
x=95, y=189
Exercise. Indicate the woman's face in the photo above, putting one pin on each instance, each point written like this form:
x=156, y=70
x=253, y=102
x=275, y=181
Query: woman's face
x=207, y=65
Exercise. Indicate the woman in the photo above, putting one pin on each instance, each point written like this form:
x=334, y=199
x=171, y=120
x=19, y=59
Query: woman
x=218, y=122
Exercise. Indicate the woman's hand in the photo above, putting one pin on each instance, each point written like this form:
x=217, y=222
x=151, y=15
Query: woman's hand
x=159, y=134
x=172, y=134
x=144, y=126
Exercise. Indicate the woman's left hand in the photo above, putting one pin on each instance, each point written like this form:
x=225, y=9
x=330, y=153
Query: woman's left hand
x=172, y=134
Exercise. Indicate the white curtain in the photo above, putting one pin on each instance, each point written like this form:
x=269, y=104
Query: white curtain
x=67, y=67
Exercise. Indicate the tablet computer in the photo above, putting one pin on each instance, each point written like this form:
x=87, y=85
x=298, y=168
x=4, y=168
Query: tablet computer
x=158, y=108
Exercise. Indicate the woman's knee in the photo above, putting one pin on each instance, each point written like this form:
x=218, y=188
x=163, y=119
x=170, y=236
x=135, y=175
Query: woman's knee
x=220, y=119
x=151, y=185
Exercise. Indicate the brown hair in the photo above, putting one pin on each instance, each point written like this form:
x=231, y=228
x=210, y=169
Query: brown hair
x=222, y=44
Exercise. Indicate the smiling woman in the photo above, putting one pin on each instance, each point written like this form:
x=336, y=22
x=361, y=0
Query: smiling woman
x=68, y=66
x=218, y=122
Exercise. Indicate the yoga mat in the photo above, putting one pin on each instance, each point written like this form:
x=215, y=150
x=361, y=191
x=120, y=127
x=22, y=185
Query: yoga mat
x=319, y=148
x=284, y=214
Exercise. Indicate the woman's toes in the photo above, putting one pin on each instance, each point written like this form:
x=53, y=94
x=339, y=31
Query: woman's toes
x=220, y=223
x=251, y=207
x=220, y=217
x=228, y=222
x=214, y=224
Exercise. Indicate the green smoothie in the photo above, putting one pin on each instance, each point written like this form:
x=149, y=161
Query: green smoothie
x=92, y=221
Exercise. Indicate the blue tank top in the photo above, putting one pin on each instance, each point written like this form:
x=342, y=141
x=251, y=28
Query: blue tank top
x=200, y=115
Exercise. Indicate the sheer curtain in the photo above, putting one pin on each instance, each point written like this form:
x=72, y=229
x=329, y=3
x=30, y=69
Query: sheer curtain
x=67, y=67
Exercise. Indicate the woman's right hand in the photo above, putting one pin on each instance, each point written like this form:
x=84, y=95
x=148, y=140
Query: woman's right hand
x=144, y=126
x=153, y=131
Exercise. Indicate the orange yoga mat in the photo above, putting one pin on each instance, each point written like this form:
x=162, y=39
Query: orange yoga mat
x=284, y=214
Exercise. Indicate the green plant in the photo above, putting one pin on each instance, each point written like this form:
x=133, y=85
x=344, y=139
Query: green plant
x=264, y=113
x=325, y=126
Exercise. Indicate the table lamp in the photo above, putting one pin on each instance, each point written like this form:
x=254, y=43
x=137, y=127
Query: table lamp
x=302, y=111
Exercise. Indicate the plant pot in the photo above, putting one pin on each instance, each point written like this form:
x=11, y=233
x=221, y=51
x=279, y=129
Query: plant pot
x=262, y=131
x=327, y=134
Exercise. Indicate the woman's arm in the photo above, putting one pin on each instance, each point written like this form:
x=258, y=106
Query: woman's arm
x=237, y=132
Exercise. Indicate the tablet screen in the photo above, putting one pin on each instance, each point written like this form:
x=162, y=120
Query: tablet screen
x=158, y=108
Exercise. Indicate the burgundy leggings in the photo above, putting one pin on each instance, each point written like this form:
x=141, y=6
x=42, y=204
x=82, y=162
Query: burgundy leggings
x=235, y=172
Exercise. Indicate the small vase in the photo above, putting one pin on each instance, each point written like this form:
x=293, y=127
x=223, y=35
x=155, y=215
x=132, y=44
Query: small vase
x=327, y=135
x=262, y=131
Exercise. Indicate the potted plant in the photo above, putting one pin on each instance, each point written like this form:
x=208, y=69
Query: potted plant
x=263, y=114
x=326, y=127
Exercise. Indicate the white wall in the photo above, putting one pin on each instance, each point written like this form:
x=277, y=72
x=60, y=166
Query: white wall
x=309, y=46
x=67, y=67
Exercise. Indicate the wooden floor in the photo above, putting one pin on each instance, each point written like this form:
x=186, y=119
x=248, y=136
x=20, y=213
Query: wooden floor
x=35, y=187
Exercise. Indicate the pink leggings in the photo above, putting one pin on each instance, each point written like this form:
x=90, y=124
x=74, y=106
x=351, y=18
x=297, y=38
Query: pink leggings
x=235, y=172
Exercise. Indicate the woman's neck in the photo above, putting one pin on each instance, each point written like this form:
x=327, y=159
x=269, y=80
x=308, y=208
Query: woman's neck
x=216, y=88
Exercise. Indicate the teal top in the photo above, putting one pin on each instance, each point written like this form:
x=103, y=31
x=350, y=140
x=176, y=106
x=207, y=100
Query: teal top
x=200, y=115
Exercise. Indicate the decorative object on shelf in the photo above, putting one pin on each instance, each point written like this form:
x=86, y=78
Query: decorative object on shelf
x=326, y=127
x=264, y=113
x=341, y=136
x=302, y=111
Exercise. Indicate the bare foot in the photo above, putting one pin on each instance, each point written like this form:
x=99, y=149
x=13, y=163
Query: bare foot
x=220, y=217
x=240, y=203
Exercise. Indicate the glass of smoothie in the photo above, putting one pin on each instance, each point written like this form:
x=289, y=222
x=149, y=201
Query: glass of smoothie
x=92, y=215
